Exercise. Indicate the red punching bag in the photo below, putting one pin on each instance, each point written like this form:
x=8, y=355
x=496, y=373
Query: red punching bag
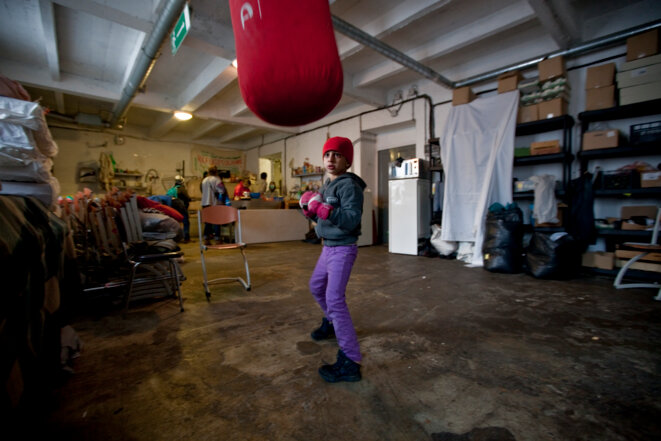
x=288, y=66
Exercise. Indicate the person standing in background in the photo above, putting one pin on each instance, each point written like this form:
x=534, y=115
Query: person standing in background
x=181, y=202
x=261, y=184
x=210, y=193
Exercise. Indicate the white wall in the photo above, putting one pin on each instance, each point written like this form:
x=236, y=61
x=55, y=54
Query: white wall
x=410, y=126
x=81, y=147
x=371, y=131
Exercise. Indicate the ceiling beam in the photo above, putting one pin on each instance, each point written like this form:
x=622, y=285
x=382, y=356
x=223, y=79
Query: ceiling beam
x=392, y=20
x=237, y=133
x=59, y=103
x=163, y=125
x=209, y=111
x=502, y=19
x=557, y=18
x=208, y=82
x=49, y=41
x=376, y=98
x=239, y=109
x=210, y=36
x=206, y=127
x=71, y=84
x=139, y=19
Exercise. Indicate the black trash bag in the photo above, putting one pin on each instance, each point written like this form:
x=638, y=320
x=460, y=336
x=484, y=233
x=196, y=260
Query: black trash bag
x=502, y=249
x=553, y=256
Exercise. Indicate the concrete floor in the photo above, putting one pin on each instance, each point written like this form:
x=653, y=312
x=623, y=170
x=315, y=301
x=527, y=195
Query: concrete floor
x=450, y=353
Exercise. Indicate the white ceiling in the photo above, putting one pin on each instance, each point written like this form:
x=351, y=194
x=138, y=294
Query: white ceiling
x=76, y=56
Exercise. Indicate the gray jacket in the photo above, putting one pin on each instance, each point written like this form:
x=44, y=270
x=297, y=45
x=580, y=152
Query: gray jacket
x=345, y=194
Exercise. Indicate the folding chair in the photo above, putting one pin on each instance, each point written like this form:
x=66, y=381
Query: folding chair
x=221, y=215
x=161, y=274
x=644, y=250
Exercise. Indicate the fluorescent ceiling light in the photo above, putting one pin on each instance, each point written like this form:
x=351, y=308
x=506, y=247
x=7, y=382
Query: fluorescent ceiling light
x=182, y=116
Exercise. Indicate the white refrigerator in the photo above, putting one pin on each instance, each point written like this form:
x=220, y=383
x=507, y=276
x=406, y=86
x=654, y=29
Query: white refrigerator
x=409, y=207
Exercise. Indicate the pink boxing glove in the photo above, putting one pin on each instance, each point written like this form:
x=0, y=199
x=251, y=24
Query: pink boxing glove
x=305, y=200
x=319, y=208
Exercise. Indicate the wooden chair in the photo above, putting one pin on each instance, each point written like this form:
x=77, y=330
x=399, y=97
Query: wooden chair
x=644, y=249
x=222, y=215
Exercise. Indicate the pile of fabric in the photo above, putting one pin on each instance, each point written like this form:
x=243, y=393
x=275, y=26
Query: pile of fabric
x=26, y=146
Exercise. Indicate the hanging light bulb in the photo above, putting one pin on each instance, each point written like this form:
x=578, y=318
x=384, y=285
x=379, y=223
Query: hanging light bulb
x=182, y=116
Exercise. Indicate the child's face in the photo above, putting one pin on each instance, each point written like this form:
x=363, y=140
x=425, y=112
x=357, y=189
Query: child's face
x=335, y=163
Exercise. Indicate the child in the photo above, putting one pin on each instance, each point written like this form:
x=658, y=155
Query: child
x=337, y=209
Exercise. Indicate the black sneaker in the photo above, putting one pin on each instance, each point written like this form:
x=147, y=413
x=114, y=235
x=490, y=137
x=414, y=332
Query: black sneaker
x=323, y=332
x=344, y=369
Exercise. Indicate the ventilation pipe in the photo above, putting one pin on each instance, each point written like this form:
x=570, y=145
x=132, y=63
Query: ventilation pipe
x=146, y=59
x=367, y=40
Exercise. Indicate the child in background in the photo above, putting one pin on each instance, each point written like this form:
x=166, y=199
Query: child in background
x=181, y=202
x=337, y=209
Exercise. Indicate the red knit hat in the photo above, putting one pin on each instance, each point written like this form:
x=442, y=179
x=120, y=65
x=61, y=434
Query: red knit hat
x=341, y=145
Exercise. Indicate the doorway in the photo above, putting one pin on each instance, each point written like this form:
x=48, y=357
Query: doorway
x=385, y=157
x=272, y=166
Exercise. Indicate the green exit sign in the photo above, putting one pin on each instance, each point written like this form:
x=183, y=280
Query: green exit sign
x=180, y=30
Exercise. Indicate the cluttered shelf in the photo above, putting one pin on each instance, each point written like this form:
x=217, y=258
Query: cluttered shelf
x=306, y=175
x=651, y=192
x=633, y=235
x=619, y=112
x=543, y=159
x=621, y=152
x=519, y=195
x=544, y=125
x=128, y=175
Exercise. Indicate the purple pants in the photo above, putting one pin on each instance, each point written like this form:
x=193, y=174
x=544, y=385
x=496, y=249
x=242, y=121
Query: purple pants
x=327, y=285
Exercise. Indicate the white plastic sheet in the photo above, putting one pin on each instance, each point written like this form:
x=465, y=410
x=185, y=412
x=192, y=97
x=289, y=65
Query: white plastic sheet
x=546, y=208
x=45, y=192
x=477, y=153
x=23, y=113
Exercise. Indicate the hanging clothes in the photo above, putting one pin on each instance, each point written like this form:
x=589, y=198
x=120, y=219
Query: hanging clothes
x=477, y=148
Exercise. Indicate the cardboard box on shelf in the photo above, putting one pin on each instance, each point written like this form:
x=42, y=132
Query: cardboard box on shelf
x=551, y=68
x=600, y=76
x=552, y=108
x=509, y=81
x=641, y=75
x=629, y=211
x=528, y=113
x=640, y=93
x=628, y=254
x=644, y=266
x=650, y=179
x=600, y=98
x=599, y=259
x=462, y=95
x=643, y=45
x=630, y=226
x=545, y=147
x=601, y=139
x=641, y=62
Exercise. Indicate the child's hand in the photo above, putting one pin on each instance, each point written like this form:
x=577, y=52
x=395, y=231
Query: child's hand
x=319, y=208
x=304, y=202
